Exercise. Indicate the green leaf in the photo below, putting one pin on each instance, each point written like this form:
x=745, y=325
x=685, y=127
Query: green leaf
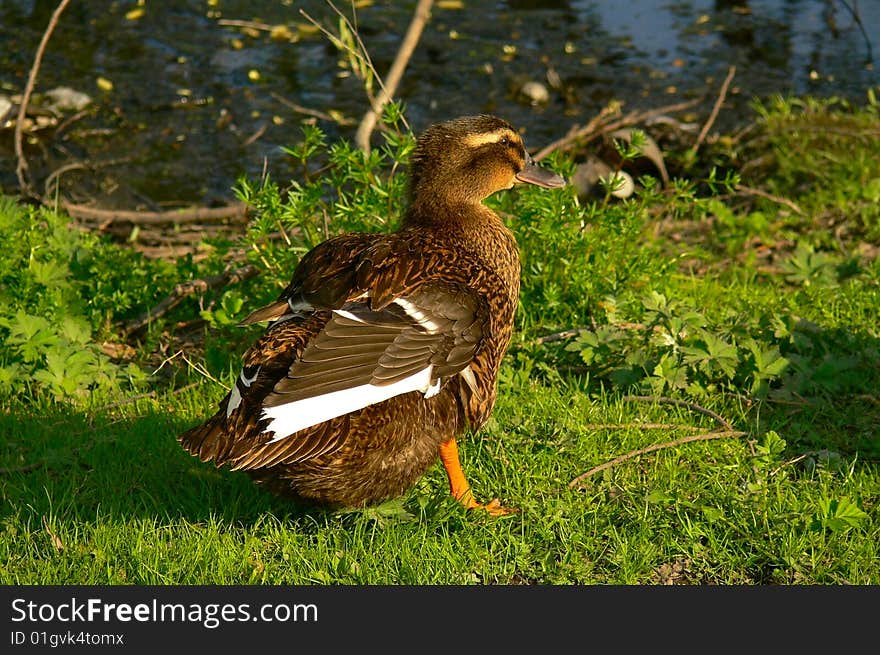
x=24, y=327
x=770, y=448
x=75, y=330
x=839, y=515
x=52, y=273
x=871, y=190
x=722, y=354
x=807, y=267
x=673, y=375
x=659, y=496
x=656, y=302
x=712, y=514
x=11, y=378
x=769, y=365
x=30, y=335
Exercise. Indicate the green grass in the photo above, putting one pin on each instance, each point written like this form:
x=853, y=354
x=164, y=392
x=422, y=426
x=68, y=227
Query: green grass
x=116, y=501
x=95, y=489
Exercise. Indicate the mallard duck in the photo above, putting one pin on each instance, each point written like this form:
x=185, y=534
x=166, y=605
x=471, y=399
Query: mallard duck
x=385, y=348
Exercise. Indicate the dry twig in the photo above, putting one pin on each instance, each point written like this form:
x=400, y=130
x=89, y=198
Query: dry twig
x=256, y=135
x=144, y=396
x=246, y=24
x=407, y=47
x=53, y=537
x=638, y=426
x=722, y=94
x=21, y=170
x=362, y=54
x=185, y=289
x=559, y=336
x=51, y=184
x=869, y=56
x=749, y=191
x=324, y=116
x=597, y=127
x=705, y=436
x=576, y=133
x=682, y=403
x=236, y=211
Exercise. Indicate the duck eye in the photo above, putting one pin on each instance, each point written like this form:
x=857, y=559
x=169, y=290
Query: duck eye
x=504, y=141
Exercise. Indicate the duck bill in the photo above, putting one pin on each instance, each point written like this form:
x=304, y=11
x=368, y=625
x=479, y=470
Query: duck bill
x=534, y=174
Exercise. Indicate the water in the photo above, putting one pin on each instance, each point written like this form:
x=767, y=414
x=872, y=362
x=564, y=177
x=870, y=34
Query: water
x=186, y=116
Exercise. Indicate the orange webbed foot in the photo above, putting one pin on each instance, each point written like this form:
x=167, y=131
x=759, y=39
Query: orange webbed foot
x=459, y=486
x=495, y=508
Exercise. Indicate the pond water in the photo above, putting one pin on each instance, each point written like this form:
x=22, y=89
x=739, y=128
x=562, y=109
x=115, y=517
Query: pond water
x=184, y=104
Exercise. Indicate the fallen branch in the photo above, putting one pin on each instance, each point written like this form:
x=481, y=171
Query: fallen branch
x=559, y=336
x=682, y=403
x=236, y=211
x=749, y=191
x=70, y=120
x=191, y=236
x=638, y=426
x=58, y=172
x=324, y=116
x=407, y=47
x=246, y=24
x=596, y=127
x=256, y=135
x=54, y=176
x=21, y=169
x=185, y=289
x=576, y=133
x=576, y=483
x=722, y=94
x=169, y=252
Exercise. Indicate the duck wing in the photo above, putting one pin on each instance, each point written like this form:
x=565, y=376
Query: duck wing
x=296, y=404
x=363, y=356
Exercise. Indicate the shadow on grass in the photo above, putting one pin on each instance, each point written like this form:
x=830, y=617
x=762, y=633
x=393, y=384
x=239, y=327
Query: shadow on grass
x=828, y=397
x=69, y=464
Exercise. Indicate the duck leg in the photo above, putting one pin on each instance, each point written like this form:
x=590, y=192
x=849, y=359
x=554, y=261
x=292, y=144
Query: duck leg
x=459, y=486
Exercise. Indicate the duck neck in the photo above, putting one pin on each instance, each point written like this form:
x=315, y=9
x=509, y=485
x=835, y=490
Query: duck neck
x=439, y=211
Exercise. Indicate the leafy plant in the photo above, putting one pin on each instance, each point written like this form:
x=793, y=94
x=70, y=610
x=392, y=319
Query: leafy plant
x=60, y=290
x=229, y=311
x=668, y=345
x=807, y=267
x=838, y=515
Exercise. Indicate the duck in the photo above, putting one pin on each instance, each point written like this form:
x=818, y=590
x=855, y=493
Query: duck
x=384, y=349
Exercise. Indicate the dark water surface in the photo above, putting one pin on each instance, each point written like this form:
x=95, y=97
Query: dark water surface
x=186, y=115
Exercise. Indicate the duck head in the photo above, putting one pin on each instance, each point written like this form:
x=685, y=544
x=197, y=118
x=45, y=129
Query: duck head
x=468, y=159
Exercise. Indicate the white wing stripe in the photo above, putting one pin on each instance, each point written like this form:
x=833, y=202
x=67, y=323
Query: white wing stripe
x=235, y=394
x=234, y=400
x=349, y=315
x=417, y=315
x=300, y=414
x=297, y=306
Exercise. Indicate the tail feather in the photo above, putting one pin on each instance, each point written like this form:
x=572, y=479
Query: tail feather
x=208, y=441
